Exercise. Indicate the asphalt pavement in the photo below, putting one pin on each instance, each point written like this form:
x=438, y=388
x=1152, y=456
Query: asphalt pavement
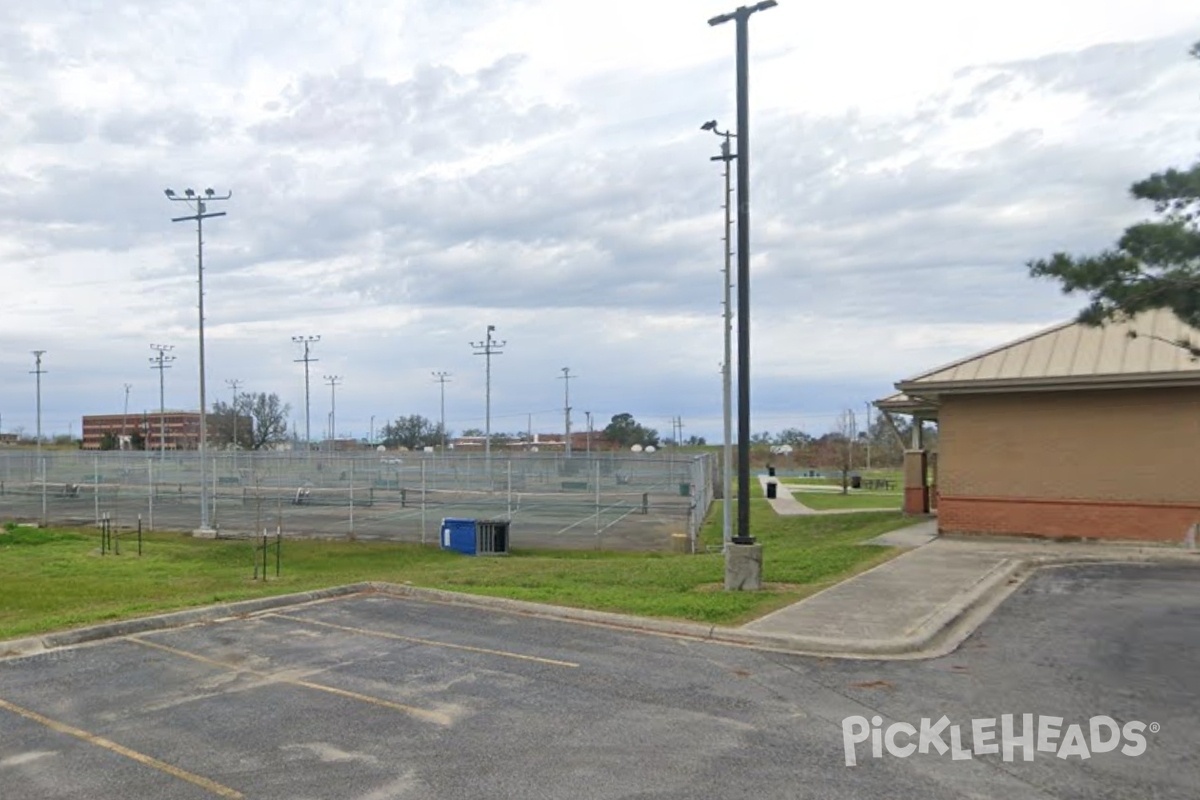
x=372, y=695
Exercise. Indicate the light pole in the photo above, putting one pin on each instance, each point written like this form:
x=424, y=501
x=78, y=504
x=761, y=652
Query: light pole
x=566, y=379
x=306, y=341
x=488, y=348
x=742, y=17
x=332, y=381
x=161, y=362
x=125, y=416
x=443, y=378
x=372, y=433
x=589, y=434
x=38, y=372
x=727, y=366
x=201, y=213
x=234, y=383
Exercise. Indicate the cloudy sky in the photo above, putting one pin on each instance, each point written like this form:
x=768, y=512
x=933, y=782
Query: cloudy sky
x=407, y=172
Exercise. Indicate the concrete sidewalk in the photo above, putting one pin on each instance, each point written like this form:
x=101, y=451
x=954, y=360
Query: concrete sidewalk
x=786, y=505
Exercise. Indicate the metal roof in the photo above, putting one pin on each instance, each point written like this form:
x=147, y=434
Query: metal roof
x=1075, y=356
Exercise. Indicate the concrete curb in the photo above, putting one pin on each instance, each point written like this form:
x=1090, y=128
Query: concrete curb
x=15, y=648
x=938, y=634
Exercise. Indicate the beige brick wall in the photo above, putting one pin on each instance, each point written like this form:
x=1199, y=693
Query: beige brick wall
x=1134, y=445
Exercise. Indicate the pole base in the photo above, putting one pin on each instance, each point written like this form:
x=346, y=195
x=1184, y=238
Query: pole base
x=204, y=533
x=743, y=567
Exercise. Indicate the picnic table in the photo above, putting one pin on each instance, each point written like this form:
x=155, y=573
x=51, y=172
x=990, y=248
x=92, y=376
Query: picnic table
x=886, y=484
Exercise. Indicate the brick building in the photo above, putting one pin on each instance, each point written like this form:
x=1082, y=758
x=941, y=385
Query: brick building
x=1072, y=432
x=180, y=430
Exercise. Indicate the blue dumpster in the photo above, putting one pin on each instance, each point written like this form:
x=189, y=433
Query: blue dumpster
x=459, y=535
x=475, y=537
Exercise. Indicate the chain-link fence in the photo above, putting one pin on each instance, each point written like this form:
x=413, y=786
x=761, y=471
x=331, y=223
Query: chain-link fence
x=609, y=500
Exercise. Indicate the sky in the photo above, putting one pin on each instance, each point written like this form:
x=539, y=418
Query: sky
x=406, y=173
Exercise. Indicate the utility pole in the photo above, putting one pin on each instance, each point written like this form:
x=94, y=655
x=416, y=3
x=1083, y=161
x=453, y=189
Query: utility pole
x=868, y=404
x=332, y=382
x=742, y=17
x=443, y=378
x=201, y=213
x=727, y=365
x=38, y=372
x=566, y=379
x=125, y=416
x=161, y=362
x=235, y=384
x=488, y=348
x=306, y=341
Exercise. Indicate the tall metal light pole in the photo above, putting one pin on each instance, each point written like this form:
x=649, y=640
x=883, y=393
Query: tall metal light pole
x=727, y=366
x=742, y=17
x=332, y=382
x=161, y=362
x=566, y=379
x=235, y=384
x=39, y=372
x=200, y=206
x=306, y=341
x=589, y=433
x=443, y=378
x=125, y=416
x=488, y=348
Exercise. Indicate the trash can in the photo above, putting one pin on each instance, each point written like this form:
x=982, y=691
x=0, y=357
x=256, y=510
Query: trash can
x=475, y=537
x=856, y=481
x=772, y=489
x=771, y=471
x=459, y=535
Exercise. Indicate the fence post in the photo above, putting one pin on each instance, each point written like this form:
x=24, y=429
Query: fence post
x=351, y=498
x=150, y=479
x=422, y=501
x=96, y=486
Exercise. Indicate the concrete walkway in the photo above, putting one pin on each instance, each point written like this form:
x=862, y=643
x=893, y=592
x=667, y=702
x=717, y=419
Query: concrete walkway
x=927, y=601
x=786, y=505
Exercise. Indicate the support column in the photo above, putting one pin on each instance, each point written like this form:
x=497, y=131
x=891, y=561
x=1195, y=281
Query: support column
x=933, y=480
x=916, y=489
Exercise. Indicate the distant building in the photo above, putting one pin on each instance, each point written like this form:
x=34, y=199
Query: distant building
x=177, y=430
x=541, y=442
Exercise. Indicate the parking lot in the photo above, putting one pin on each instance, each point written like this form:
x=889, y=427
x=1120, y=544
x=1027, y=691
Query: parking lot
x=374, y=696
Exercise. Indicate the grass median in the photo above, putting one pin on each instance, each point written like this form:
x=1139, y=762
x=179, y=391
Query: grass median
x=52, y=579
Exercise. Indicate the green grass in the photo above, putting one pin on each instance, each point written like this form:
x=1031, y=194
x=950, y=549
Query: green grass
x=52, y=579
x=829, y=501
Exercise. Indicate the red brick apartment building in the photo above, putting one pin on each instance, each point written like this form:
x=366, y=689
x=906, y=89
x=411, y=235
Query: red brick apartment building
x=1072, y=432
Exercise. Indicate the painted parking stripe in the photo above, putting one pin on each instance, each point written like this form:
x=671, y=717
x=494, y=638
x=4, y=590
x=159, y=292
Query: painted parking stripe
x=141, y=758
x=436, y=717
x=431, y=642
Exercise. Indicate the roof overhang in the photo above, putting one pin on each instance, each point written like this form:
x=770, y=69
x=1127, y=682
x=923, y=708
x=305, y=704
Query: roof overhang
x=1145, y=380
x=903, y=403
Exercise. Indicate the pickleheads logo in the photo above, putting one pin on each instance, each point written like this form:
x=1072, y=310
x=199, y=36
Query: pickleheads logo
x=1028, y=732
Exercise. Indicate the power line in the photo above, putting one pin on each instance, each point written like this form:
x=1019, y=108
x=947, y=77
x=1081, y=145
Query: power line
x=332, y=382
x=566, y=379
x=306, y=341
x=161, y=362
x=488, y=348
x=235, y=384
x=443, y=378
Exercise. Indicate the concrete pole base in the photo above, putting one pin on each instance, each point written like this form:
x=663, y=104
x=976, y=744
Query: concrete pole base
x=204, y=533
x=743, y=567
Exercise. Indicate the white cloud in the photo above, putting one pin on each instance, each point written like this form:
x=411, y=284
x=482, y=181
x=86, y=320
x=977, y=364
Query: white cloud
x=406, y=173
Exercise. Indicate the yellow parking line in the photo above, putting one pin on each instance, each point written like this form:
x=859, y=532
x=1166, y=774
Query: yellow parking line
x=108, y=744
x=432, y=642
x=435, y=717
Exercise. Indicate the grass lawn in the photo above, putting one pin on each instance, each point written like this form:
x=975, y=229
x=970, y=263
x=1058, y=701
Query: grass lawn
x=827, y=501
x=52, y=579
